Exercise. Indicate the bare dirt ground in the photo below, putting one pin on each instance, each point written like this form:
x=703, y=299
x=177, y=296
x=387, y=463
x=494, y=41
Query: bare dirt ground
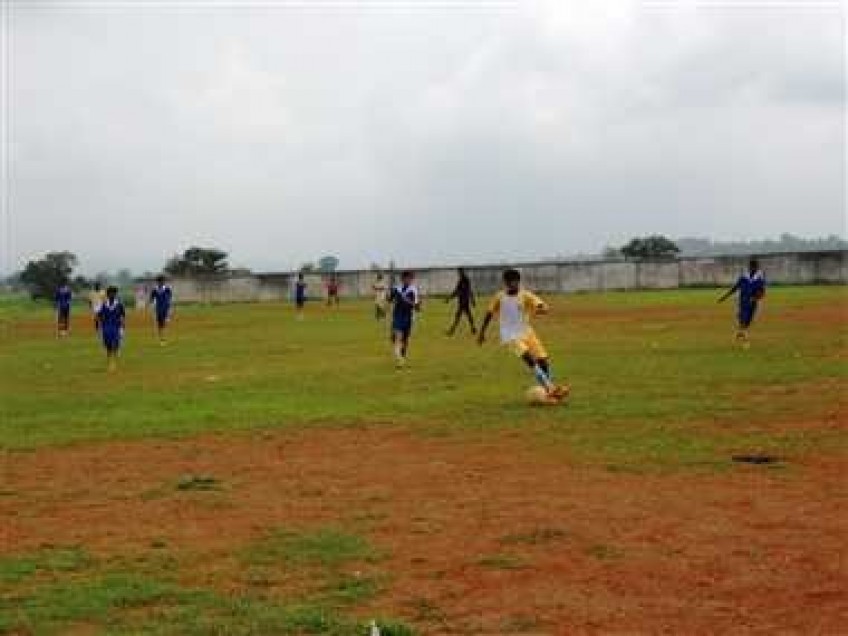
x=480, y=535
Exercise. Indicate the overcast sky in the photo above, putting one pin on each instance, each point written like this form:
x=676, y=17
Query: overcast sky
x=424, y=132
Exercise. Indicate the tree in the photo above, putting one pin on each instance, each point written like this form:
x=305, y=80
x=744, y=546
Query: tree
x=43, y=276
x=327, y=264
x=611, y=252
x=81, y=283
x=198, y=261
x=655, y=246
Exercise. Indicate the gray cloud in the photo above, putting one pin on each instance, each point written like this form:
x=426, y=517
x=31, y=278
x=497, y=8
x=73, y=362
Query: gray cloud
x=419, y=134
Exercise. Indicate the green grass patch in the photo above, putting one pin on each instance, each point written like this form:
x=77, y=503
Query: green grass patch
x=604, y=552
x=502, y=561
x=47, y=561
x=537, y=536
x=198, y=482
x=656, y=379
x=55, y=590
x=325, y=547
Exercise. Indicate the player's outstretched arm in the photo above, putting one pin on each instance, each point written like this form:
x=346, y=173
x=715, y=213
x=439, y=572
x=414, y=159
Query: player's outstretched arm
x=729, y=293
x=532, y=303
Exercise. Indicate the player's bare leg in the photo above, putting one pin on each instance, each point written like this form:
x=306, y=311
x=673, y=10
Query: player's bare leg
x=556, y=392
x=470, y=317
x=743, y=338
x=398, y=348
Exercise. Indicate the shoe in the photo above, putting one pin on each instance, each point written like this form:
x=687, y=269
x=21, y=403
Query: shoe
x=560, y=392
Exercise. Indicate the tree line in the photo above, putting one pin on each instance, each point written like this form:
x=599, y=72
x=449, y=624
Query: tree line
x=41, y=277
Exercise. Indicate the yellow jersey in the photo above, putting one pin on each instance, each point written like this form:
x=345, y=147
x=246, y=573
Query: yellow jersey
x=515, y=311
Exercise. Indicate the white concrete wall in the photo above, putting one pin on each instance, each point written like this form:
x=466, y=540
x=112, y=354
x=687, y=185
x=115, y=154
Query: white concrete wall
x=790, y=269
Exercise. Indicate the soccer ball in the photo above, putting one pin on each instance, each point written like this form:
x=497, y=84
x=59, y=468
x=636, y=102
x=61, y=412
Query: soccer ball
x=537, y=396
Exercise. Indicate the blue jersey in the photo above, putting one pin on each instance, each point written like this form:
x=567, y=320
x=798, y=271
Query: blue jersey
x=63, y=298
x=751, y=287
x=405, y=300
x=161, y=297
x=111, y=315
x=300, y=291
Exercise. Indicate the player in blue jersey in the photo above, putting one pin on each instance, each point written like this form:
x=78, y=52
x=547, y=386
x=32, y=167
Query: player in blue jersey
x=405, y=302
x=62, y=301
x=300, y=295
x=111, y=319
x=751, y=287
x=161, y=298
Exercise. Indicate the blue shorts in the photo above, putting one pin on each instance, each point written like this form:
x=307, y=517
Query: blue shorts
x=746, y=314
x=402, y=326
x=300, y=301
x=112, y=339
x=162, y=317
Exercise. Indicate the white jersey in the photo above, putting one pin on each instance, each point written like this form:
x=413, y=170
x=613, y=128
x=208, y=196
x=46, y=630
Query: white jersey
x=379, y=289
x=514, y=312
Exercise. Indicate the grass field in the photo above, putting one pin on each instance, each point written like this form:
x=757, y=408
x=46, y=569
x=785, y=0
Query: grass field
x=261, y=475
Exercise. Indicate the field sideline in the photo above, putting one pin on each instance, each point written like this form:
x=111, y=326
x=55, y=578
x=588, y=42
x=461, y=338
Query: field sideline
x=261, y=475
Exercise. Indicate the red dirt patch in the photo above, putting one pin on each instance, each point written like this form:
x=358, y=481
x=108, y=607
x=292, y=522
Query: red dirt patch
x=482, y=536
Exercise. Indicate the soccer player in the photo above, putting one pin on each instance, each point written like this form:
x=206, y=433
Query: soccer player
x=140, y=297
x=515, y=307
x=160, y=298
x=379, y=289
x=300, y=295
x=751, y=286
x=96, y=298
x=111, y=318
x=465, y=301
x=62, y=301
x=332, y=291
x=405, y=300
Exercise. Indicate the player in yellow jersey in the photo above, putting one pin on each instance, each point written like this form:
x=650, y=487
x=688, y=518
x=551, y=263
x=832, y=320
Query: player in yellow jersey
x=514, y=308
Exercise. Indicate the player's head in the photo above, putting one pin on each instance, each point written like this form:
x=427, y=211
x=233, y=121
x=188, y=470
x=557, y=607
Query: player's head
x=460, y=271
x=512, y=279
x=379, y=277
x=406, y=277
x=97, y=285
x=111, y=292
x=160, y=279
x=753, y=265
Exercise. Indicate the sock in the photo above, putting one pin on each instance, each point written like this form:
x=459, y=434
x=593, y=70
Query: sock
x=542, y=376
